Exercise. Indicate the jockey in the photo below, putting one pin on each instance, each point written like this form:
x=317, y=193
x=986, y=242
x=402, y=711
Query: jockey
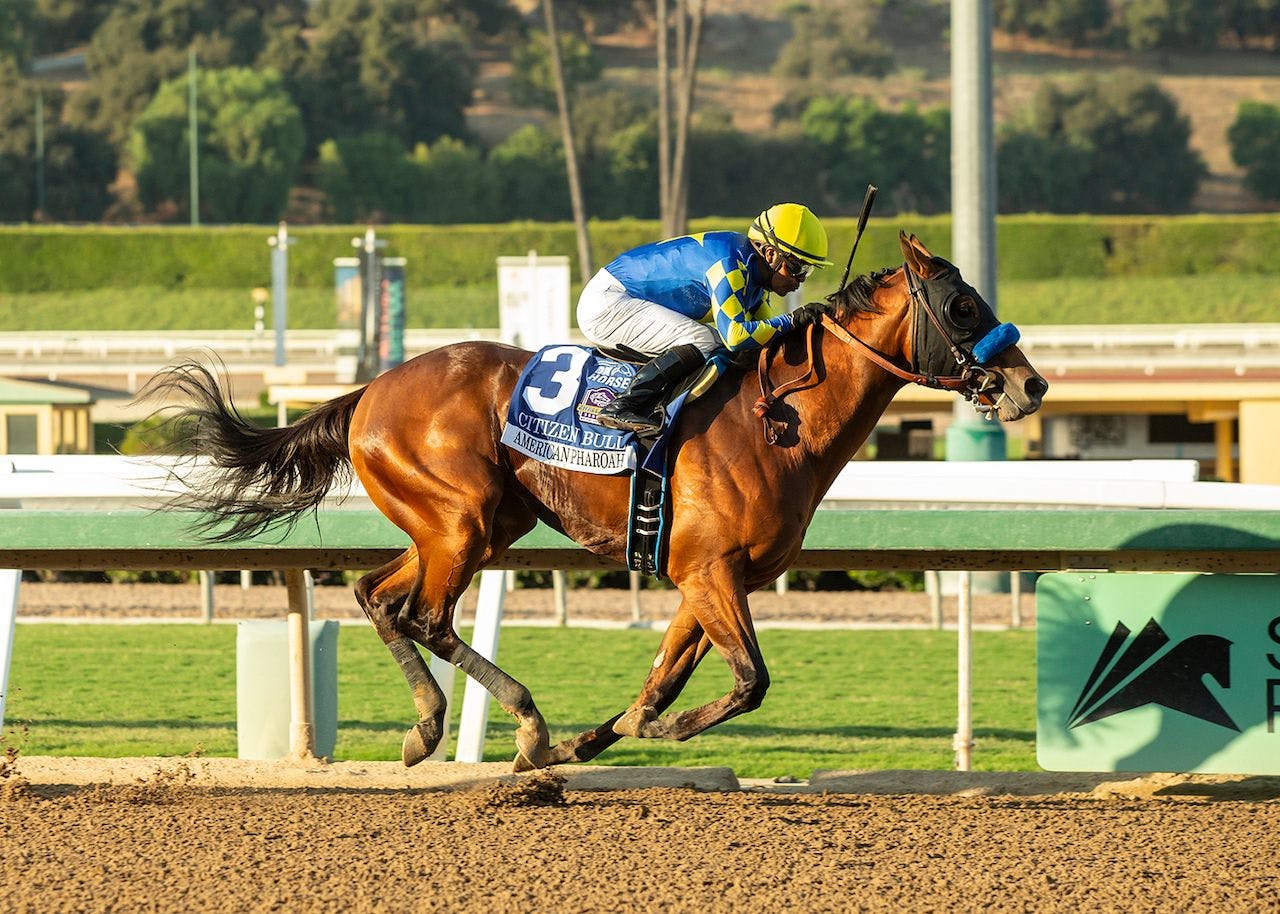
x=679, y=300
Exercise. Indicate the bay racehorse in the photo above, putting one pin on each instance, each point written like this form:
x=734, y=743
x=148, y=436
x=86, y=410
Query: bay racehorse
x=750, y=463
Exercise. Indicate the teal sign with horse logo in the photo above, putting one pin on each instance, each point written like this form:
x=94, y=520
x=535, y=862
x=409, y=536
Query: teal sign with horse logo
x=1158, y=672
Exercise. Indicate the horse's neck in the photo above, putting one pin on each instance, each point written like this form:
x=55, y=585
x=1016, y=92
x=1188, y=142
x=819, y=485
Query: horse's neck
x=838, y=415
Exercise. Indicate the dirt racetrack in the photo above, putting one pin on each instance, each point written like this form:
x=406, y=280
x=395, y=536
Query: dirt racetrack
x=195, y=835
x=182, y=837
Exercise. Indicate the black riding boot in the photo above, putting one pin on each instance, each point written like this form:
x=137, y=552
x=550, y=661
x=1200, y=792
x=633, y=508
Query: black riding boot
x=637, y=409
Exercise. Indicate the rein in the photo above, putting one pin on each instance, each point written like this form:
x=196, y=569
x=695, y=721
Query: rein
x=973, y=381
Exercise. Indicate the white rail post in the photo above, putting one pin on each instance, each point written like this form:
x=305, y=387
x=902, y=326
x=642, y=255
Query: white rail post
x=301, y=708
x=484, y=641
x=10, y=578
x=206, y=596
x=634, y=579
x=442, y=671
x=1015, y=596
x=963, y=741
x=559, y=586
x=933, y=587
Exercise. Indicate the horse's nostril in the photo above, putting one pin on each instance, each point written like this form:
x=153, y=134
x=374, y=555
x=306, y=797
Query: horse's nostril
x=1037, y=387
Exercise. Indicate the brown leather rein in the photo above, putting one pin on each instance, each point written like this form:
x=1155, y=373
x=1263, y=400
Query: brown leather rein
x=973, y=382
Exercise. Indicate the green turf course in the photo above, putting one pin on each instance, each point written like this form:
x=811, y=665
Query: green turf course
x=839, y=699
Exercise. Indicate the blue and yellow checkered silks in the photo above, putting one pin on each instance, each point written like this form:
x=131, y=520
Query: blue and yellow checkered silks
x=710, y=277
x=738, y=328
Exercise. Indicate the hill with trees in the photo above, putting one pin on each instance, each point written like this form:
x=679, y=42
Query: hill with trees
x=445, y=111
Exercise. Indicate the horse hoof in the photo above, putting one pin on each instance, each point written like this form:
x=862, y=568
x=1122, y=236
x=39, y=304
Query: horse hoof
x=522, y=764
x=533, y=745
x=419, y=742
x=633, y=722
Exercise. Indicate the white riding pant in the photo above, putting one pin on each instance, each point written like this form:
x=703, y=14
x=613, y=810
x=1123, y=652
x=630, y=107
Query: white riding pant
x=610, y=316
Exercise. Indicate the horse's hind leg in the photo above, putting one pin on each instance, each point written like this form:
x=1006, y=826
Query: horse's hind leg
x=454, y=540
x=683, y=646
x=382, y=594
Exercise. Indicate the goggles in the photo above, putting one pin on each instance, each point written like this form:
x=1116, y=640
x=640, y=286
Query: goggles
x=797, y=268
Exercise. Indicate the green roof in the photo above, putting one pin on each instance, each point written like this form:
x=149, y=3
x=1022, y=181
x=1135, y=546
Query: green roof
x=14, y=392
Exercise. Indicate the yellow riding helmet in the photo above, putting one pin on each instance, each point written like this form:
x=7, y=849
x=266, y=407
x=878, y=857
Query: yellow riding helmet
x=794, y=230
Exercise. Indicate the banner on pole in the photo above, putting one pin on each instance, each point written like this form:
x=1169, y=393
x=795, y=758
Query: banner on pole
x=533, y=300
x=391, y=313
x=346, y=285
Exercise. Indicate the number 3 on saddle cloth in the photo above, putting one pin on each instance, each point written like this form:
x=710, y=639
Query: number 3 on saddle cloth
x=551, y=418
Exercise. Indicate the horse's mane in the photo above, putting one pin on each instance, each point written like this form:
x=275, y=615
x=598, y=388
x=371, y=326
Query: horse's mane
x=854, y=298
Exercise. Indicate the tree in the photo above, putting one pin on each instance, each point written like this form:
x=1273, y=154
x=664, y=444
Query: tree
x=250, y=145
x=532, y=83
x=63, y=24
x=79, y=168
x=1037, y=173
x=79, y=165
x=1253, y=19
x=1254, y=137
x=371, y=177
x=529, y=169
x=1187, y=24
x=1136, y=141
x=17, y=24
x=383, y=65
x=454, y=183
x=145, y=42
x=908, y=152
x=751, y=179
x=673, y=153
x=364, y=176
x=617, y=144
x=1073, y=21
x=834, y=41
x=585, y=266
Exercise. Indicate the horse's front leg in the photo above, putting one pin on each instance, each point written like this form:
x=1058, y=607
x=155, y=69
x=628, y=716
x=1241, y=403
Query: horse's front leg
x=683, y=645
x=719, y=605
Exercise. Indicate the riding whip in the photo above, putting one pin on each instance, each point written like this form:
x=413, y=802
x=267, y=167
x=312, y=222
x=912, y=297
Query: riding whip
x=867, y=201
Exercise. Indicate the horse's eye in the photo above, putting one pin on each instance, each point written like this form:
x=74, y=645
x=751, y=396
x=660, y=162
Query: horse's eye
x=963, y=313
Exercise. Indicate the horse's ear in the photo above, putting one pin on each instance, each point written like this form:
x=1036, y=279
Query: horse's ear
x=919, y=257
x=911, y=252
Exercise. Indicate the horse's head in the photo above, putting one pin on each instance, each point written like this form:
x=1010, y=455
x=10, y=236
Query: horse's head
x=938, y=332
x=953, y=333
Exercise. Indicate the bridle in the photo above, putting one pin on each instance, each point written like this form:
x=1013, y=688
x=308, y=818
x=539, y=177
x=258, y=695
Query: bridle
x=974, y=382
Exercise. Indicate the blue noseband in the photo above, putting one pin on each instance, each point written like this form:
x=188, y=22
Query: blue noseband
x=995, y=342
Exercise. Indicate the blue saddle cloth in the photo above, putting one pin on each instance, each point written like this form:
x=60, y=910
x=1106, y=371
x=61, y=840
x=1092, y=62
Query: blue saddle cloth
x=560, y=392
x=553, y=408
x=551, y=418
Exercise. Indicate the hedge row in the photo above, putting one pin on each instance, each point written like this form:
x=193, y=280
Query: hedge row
x=52, y=259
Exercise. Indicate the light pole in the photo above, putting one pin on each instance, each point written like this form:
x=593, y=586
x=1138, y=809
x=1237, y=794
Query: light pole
x=193, y=139
x=280, y=242
x=40, y=153
x=973, y=197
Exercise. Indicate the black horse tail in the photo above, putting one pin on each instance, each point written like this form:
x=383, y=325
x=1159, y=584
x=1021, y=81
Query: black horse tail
x=258, y=478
